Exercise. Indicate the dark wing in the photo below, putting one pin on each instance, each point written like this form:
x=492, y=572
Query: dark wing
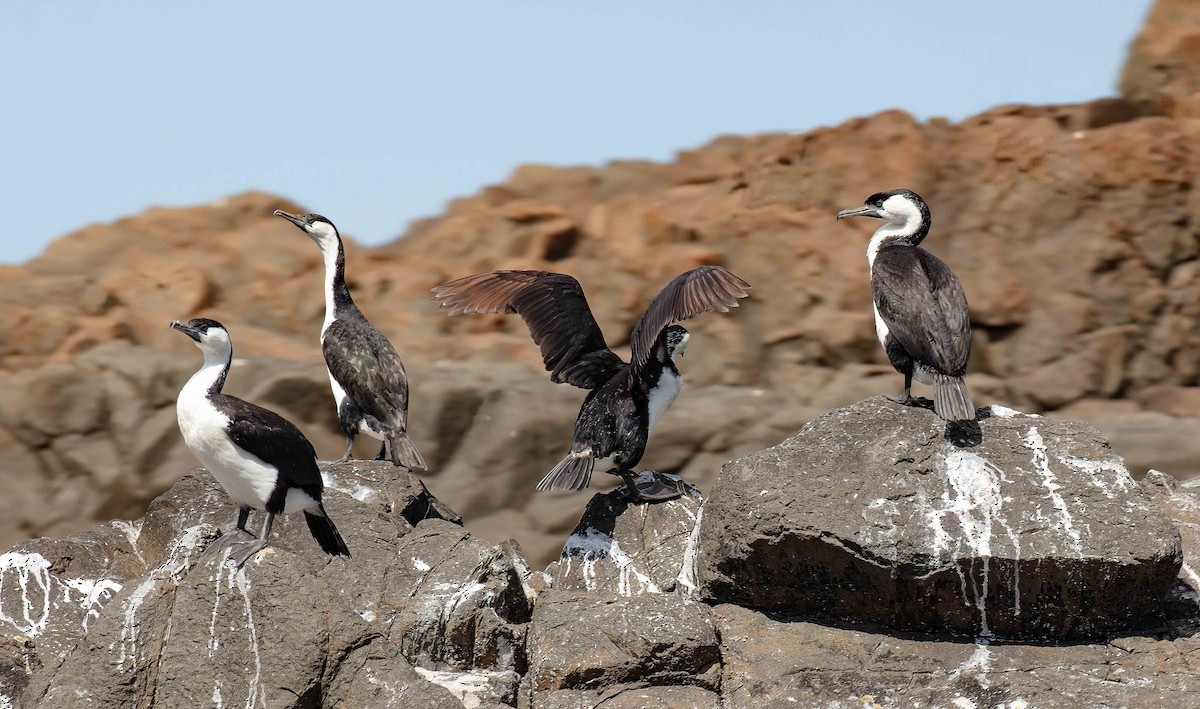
x=556, y=311
x=924, y=307
x=699, y=290
x=367, y=367
x=275, y=440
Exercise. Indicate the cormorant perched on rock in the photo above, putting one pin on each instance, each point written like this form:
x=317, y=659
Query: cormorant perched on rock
x=365, y=372
x=259, y=457
x=921, y=315
x=625, y=400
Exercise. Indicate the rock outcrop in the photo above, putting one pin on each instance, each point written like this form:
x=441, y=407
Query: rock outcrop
x=871, y=514
x=420, y=598
x=427, y=614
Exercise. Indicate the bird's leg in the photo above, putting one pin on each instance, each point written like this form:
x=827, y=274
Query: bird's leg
x=346, y=453
x=246, y=550
x=655, y=491
x=243, y=517
x=238, y=535
x=906, y=397
x=384, y=453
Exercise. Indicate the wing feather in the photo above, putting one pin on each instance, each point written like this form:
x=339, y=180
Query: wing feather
x=700, y=290
x=554, y=308
x=275, y=440
x=924, y=306
x=369, y=369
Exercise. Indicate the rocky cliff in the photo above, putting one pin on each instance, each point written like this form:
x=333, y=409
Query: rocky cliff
x=1071, y=227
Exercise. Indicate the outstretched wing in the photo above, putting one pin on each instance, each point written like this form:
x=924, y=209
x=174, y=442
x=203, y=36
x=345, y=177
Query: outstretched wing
x=556, y=311
x=924, y=307
x=367, y=367
x=696, y=291
x=275, y=440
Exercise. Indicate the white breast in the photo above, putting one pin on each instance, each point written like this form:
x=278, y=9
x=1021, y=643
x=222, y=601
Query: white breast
x=881, y=328
x=247, y=479
x=340, y=395
x=663, y=395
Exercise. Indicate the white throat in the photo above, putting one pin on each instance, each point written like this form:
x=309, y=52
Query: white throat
x=196, y=389
x=329, y=252
x=904, y=219
x=890, y=231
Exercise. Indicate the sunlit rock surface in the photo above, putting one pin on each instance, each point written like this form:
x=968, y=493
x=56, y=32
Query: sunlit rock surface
x=630, y=549
x=1016, y=527
x=424, y=614
x=294, y=627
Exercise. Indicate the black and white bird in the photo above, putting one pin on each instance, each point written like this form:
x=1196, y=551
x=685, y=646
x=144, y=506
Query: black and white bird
x=626, y=400
x=921, y=315
x=365, y=372
x=261, y=459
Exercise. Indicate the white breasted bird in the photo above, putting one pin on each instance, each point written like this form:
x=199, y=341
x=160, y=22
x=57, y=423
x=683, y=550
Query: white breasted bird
x=921, y=315
x=626, y=400
x=365, y=372
x=261, y=459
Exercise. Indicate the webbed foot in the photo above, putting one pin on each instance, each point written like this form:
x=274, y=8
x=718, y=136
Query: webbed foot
x=231, y=538
x=656, y=489
x=242, y=551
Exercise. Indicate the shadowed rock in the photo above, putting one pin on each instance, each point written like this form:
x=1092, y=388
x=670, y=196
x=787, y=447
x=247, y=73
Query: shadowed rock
x=868, y=514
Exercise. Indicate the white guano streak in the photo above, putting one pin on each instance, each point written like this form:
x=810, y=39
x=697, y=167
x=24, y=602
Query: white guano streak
x=594, y=545
x=1033, y=441
x=973, y=495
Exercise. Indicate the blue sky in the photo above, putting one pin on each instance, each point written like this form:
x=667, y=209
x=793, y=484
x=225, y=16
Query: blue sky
x=378, y=113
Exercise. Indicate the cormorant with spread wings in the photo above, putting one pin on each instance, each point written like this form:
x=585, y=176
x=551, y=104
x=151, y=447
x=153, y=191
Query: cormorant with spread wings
x=625, y=400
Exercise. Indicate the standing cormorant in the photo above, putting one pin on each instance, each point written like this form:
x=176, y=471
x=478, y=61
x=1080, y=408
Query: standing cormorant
x=365, y=372
x=258, y=456
x=921, y=315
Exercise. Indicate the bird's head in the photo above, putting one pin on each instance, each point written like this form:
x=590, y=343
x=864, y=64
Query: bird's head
x=677, y=340
x=905, y=213
x=209, y=335
x=318, y=228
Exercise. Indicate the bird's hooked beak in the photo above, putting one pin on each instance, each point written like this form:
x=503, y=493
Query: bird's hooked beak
x=864, y=211
x=293, y=218
x=191, y=332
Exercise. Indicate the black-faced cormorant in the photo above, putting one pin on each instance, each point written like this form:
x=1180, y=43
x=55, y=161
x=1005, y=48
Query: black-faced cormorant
x=921, y=313
x=259, y=457
x=365, y=372
x=625, y=400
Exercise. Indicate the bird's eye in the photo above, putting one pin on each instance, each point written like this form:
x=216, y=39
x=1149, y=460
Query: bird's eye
x=879, y=203
x=312, y=221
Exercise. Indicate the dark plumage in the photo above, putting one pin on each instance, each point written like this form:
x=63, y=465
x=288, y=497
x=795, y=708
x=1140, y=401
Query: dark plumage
x=370, y=385
x=625, y=400
x=922, y=318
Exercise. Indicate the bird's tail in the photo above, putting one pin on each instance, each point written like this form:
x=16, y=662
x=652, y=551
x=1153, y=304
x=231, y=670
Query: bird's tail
x=404, y=452
x=951, y=400
x=572, y=473
x=326, y=534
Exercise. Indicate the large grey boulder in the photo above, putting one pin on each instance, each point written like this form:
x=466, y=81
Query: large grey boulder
x=422, y=614
x=870, y=513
